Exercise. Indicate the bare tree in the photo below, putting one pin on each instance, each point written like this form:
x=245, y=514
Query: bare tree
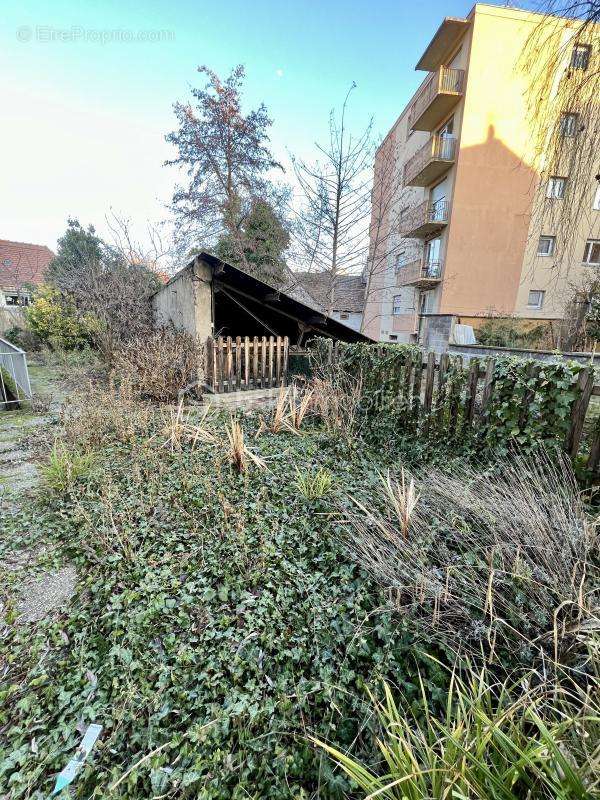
x=226, y=158
x=332, y=230
x=155, y=252
x=564, y=103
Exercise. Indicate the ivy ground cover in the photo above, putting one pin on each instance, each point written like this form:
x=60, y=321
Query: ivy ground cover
x=217, y=624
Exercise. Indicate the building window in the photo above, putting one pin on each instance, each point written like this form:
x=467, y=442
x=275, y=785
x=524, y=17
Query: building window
x=580, y=56
x=400, y=261
x=397, y=305
x=7, y=262
x=535, y=299
x=344, y=315
x=11, y=299
x=556, y=187
x=591, y=253
x=569, y=124
x=393, y=337
x=596, y=205
x=546, y=245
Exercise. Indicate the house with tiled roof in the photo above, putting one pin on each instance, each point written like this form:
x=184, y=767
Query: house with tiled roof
x=348, y=294
x=22, y=265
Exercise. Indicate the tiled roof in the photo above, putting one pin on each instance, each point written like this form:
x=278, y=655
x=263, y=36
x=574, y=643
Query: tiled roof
x=21, y=263
x=348, y=290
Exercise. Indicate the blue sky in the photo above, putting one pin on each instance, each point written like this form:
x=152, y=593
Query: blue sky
x=83, y=121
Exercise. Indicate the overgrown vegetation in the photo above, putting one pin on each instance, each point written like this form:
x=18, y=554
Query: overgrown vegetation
x=509, y=332
x=498, y=740
x=244, y=582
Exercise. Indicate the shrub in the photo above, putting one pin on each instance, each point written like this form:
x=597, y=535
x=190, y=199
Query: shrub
x=161, y=366
x=55, y=320
x=24, y=338
x=65, y=468
x=497, y=742
x=97, y=416
x=496, y=561
x=508, y=332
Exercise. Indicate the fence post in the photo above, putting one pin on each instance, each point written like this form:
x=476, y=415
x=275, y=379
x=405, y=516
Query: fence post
x=229, y=364
x=263, y=362
x=585, y=384
x=472, y=382
x=255, y=362
x=238, y=362
x=286, y=351
x=488, y=386
x=210, y=357
x=246, y=362
x=221, y=355
x=271, y=348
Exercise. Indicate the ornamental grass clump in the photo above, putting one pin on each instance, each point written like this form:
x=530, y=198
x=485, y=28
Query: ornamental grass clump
x=496, y=741
x=499, y=561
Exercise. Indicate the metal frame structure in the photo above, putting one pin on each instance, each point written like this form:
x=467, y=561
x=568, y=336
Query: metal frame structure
x=13, y=362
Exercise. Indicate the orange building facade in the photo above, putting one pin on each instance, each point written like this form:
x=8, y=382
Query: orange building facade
x=461, y=236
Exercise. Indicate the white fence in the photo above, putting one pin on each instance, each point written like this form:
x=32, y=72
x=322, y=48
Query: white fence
x=14, y=375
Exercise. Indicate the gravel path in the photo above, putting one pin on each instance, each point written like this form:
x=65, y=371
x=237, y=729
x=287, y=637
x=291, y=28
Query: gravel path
x=38, y=594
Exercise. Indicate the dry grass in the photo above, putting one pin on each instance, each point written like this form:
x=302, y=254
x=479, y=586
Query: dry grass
x=94, y=416
x=181, y=426
x=293, y=404
x=488, y=560
x=336, y=399
x=161, y=366
x=239, y=453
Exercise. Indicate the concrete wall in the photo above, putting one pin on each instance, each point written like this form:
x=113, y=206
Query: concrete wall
x=468, y=351
x=186, y=302
x=436, y=332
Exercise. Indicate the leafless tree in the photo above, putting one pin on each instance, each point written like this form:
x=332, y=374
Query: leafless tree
x=155, y=252
x=564, y=103
x=332, y=223
x=226, y=158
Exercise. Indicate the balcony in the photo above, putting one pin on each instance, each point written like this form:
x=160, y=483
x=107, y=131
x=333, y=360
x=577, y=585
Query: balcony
x=430, y=162
x=437, y=98
x=424, y=219
x=420, y=274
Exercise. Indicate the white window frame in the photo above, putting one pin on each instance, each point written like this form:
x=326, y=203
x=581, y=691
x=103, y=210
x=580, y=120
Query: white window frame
x=554, y=181
x=596, y=203
x=588, y=250
x=397, y=305
x=551, y=249
x=569, y=124
x=580, y=56
x=540, y=303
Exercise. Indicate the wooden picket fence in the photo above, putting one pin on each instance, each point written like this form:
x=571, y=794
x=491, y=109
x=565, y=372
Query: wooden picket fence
x=242, y=363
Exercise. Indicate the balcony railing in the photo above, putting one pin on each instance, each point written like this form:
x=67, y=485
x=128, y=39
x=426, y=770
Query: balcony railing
x=431, y=161
x=439, y=95
x=424, y=219
x=420, y=273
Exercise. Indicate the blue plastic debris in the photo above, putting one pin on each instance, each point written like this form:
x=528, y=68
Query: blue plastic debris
x=68, y=774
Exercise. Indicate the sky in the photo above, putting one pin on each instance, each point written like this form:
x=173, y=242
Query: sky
x=87, y=90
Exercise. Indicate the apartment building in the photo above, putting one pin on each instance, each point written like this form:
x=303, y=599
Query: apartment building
x=460, y=240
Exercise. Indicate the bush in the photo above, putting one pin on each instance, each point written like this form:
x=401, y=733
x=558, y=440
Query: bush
x=509, y=332
x=497, y=742
x=24, y=338
x=161, y=366
x=55, y=320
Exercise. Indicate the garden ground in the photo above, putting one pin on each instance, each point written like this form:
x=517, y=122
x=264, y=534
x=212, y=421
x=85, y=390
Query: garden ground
x=219, y=619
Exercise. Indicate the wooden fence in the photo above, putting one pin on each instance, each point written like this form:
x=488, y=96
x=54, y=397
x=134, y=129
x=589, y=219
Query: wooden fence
x=243, y=363
x=436, y=401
